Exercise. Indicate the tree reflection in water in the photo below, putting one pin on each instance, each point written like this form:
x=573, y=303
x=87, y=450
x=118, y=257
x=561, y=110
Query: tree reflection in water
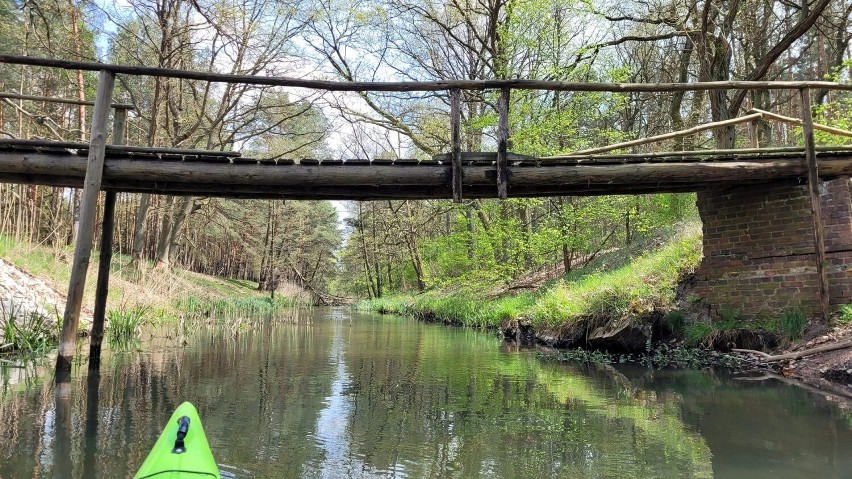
x=355, y=395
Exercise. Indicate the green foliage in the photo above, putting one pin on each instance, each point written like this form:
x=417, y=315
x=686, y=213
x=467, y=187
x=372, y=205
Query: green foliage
x=688, y=357
x=256, y=307
x=645, y=285
x=125, y=324
x=791, y=324
x=580, y=355
x=25, y=333
x=635, y=290
x=844, y=316
x=729, y=320
x=676, y=322
x=662, y=356
x=467, y=308
x=697, y=333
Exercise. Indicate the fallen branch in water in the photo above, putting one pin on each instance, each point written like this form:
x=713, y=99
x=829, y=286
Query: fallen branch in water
x=797, y=383
x=796, y=354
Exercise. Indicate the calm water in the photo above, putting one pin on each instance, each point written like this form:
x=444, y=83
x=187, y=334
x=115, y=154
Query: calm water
x=352, y=395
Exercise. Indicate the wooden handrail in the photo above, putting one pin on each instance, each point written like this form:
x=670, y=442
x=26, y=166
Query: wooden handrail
x=799, y=122
x=425, y=86
x=66, y=101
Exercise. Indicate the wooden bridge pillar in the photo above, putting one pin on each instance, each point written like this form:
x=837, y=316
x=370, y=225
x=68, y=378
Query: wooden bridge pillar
x=102, y=288
x=503, y=144
x=816, y=206
x=86, y=232
x=455, y=143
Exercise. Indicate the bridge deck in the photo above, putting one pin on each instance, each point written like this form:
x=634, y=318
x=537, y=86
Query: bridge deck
x=198, y=172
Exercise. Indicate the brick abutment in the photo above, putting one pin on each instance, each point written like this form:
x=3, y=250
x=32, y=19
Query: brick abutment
x=759, y=256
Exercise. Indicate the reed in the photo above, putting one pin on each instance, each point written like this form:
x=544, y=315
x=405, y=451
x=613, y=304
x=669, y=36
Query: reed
x=257, y=307
x=25, y=332
x=125, y=324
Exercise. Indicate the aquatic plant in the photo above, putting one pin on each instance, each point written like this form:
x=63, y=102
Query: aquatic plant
x=25, y=332
x=125, y=324
x=238, y=307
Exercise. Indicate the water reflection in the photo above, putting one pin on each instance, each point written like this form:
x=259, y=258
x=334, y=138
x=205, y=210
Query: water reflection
x=331, y=433
x=352, y=395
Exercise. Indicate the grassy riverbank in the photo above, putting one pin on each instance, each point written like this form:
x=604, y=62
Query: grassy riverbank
x=616, y=287
x=618, y=301
x=160, y=295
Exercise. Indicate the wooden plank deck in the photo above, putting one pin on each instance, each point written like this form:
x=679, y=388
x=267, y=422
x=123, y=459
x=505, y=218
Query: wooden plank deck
x=226, y=174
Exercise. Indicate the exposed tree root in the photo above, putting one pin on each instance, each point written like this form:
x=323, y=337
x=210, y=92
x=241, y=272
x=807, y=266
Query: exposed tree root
x=796, y=354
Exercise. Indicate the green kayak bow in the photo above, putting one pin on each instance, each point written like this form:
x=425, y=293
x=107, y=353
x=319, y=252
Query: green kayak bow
x=182, y=451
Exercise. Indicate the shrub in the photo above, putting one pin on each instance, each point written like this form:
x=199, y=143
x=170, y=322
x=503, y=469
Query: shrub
x=845, y=314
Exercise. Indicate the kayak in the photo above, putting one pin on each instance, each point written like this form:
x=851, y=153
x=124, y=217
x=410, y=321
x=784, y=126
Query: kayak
x=182, y=451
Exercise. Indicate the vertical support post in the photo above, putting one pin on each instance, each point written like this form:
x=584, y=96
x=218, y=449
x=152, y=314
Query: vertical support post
x=102, y=288
x=83, y=248
x=752, y=125
x=503, y=144
x=816, y=207
x=455, y=143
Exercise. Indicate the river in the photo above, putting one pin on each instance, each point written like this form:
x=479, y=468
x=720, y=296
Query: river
x=347, y=394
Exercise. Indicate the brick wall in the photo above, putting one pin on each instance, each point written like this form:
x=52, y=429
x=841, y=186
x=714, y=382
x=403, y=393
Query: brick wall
x=759, y=255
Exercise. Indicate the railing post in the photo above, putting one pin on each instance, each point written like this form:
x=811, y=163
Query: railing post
x=455, y=142
x=816, y=207
x=102, y=287
x=752, y=125
x=82, y=250
x=503, y=144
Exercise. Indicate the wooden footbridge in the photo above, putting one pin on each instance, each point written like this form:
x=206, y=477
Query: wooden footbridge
x=114, y=167
x=226, y=174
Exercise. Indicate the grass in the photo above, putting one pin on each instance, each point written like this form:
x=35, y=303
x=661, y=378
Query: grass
x=634, y=290
x=26, y=333
x=236, y=307
x=464, y=308
x=697, y=333
x=166, y=293
x=789, y=326
x=125, y=324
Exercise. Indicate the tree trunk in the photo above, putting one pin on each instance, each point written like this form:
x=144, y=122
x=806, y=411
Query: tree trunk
x=172, y=225
x=81, y=111
x=367, y=271
x=413, y=249
x=567, y=257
